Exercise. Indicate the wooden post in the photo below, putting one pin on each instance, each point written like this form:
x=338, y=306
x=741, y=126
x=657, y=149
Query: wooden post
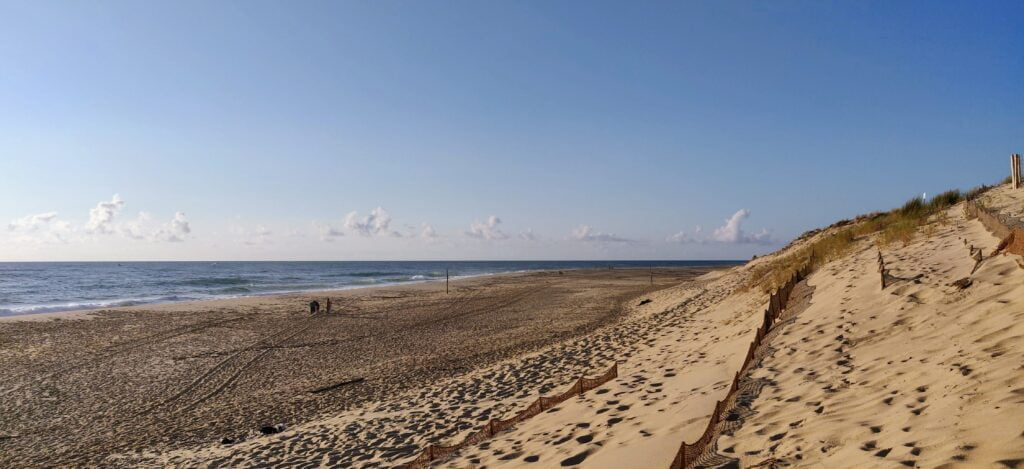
x=652, y=275
x=445, y=281
x=1015, y=170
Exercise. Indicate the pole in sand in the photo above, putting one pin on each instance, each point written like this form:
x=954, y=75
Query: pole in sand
x=652, y=275
x=445, y=281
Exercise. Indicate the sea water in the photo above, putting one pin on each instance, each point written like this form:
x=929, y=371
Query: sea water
x=36, y=287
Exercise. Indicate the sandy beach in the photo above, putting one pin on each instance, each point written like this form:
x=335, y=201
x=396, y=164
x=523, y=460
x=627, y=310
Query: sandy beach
x=129, y=386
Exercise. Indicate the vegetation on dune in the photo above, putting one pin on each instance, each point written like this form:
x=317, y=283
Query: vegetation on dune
x=899, y=225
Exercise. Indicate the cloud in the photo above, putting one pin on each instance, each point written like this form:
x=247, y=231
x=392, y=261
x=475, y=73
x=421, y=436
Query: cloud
x=681, y=237
x=527, y=235
x=40, y=228
x=586, y=234
x=32, y=222
x=101, y=217
x=135, y=229
x=140, y=229
x=486, y=230
x=176, y=231
x=256, y=236
x=427, y=231
x=376, y=223
x=732, y=232
x=327, y=232
x=46, y=227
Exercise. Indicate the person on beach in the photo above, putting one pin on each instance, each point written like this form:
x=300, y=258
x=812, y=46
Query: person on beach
x=314, y=307
x=328, y=308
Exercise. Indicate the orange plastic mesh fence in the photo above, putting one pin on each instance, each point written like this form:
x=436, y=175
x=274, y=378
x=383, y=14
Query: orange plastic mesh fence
x=1006, y=228
x=991, y=221
x=688, y=452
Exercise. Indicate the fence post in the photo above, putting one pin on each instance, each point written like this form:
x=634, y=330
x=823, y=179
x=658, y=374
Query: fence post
x=1015, y=170
x=579, y=386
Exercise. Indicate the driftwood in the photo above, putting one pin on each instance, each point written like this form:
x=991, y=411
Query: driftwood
x=337, y=385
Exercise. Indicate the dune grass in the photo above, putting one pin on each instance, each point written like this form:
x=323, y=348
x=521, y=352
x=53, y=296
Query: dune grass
x=899, y=225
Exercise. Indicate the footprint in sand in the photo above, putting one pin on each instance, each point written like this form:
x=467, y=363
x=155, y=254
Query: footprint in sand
x=574, y=460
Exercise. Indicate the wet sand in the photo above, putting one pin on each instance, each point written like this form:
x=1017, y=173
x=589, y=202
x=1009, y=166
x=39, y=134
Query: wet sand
x=148, y=385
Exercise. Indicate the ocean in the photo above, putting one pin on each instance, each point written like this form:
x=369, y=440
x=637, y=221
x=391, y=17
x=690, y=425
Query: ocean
x=38, y=287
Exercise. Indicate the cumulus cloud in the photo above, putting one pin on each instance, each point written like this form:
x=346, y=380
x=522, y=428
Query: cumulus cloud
x=486, y=230
x=46, y=227
x=427, y=231
x=327, y=232
x=176, y=230
x=376, y=223
x=587, y=234
x=732, y=232
x=40, y=228
x=136, y=229
x=101, y=217
x=527, y=235
x=32, y=222
x=142, y=229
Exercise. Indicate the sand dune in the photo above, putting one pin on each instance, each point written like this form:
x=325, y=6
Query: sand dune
x=921, y=374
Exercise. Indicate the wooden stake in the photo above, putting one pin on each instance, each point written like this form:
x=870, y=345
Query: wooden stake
x=445, y=281
x=1015, y=164
x=1015, y=170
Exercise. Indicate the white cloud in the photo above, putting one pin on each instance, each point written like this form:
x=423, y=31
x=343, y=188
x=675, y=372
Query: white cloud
x=486, y=230
x=327, y=232
x=32, y=222
x=141, y=229
x=135, y=229
x=101, y=217
x=427, y=231
x=176, y=231
x=256, y=236
x=587, y=234
x=732, y=232
x=376, y=223
x=40, y=228
x=681, y=237
x=527, y=235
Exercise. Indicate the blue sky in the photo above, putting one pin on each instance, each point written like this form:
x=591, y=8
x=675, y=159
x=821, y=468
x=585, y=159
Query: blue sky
x=588, y=130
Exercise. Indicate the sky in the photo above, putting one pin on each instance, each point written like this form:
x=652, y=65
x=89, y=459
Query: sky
x=356, y=130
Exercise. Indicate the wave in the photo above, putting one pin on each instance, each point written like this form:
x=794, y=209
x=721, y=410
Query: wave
x=71, y=306
x=214, y=281
x=374, y=274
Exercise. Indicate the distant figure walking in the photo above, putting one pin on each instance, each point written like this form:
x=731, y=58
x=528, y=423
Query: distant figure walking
x=314, y=307
x=328, y=308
